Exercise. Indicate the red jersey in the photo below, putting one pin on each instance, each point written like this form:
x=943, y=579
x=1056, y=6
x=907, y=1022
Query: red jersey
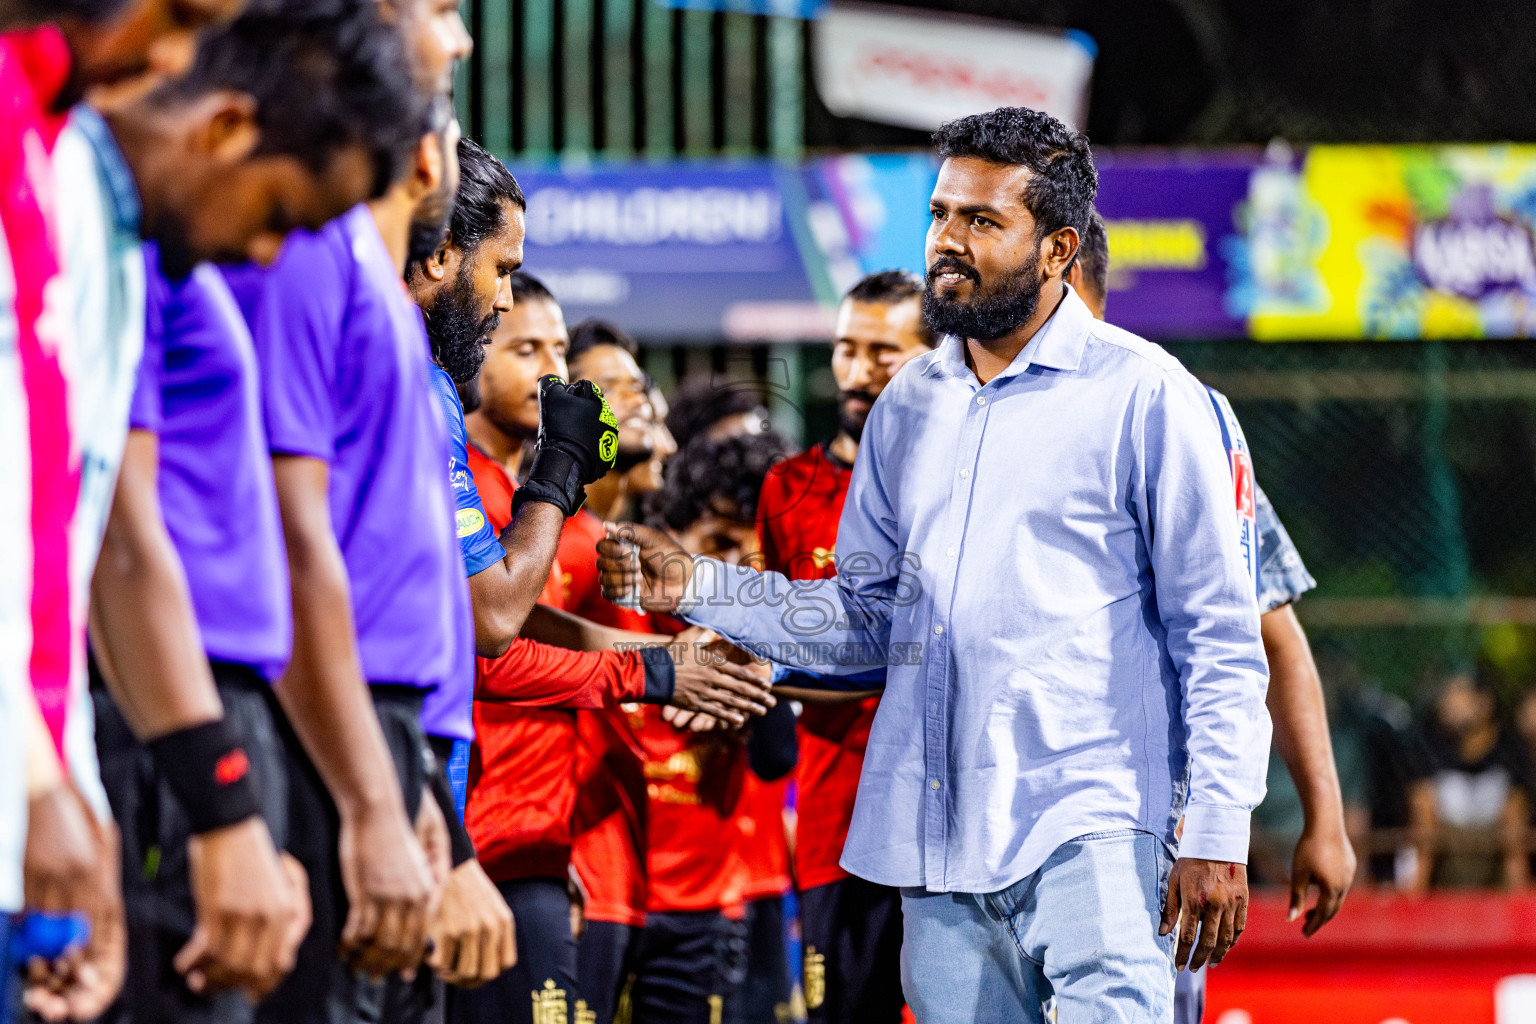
x=608, y=852
x=693, y=789
x=523, y=764
x=579, y=581
x=797, y=517
x=764, y=841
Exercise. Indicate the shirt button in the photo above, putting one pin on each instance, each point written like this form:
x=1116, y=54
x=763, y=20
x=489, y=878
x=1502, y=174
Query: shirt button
x=965, y=474
x=981, y=399
x=933, y=784
x=950, y=552
x=939, y=630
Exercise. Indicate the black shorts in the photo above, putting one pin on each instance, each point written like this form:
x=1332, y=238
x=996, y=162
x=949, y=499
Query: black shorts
x=542, y=987
x=851, y=931
x=322, y=989
x=764, y=995
x=604, y=955
x=687, y=966
x=157, y=895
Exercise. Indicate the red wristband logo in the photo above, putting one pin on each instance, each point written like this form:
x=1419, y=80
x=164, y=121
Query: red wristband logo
x=231, y=768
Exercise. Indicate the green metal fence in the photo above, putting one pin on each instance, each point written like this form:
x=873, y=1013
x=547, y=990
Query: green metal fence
x=578, y=79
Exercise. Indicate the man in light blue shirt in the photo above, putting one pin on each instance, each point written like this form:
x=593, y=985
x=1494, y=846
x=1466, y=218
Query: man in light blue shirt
x=1038, y=542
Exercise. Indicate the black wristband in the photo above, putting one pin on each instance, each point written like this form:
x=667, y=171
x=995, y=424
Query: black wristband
x=660, y=674
x=555, y=477
x=207, y=768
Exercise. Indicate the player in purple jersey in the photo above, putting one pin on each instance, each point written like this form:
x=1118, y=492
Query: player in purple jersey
x=318, y=130
x=1323, y=857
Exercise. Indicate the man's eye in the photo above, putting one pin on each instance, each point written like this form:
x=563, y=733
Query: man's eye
x=937, y=214
x=984, y=223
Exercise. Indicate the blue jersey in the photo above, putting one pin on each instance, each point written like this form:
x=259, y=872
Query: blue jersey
x=477, y=541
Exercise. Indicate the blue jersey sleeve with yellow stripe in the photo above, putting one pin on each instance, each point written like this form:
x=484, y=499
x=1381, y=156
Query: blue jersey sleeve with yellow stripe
x=477, y=541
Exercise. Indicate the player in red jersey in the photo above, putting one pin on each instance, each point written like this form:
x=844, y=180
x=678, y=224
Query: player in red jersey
x=523, y=768
x=691, y=958
x=851, y=928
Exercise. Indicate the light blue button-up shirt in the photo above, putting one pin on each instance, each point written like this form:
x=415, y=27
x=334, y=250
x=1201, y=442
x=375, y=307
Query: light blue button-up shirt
x=1047, y=563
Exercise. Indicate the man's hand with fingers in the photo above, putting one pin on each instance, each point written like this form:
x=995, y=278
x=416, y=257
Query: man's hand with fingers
x=716, y=679
x=1325, y=859
x=472, y=937
x=248, y=911
x=390, y=887
x=1208, y=903
x=82, y=984
x=665, y=568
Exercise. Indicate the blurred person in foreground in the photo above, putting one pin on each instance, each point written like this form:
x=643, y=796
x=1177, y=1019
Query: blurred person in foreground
x=1471, y=797
x=54, y=832
x=1056, y=479
x=522, y=771
x=690, y=960
x=850, y=928
x=180, y=607
x=1323, y=855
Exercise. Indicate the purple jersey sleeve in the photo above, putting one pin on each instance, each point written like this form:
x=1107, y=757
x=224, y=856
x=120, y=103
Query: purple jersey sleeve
x=147, y=410
x=298, y=327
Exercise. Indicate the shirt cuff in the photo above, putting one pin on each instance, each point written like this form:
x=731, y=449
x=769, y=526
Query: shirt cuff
x=704, y=580
x=660, y=674
x=1215, y=833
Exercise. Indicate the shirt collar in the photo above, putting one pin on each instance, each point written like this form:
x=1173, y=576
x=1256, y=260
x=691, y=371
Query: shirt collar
x=1056, y=346
x=114, y=167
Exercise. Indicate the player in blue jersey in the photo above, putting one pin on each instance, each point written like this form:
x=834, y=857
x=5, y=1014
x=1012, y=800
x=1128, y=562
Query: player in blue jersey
x=1323, y=857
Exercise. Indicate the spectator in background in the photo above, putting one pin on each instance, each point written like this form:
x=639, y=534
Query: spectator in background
x=716, y=410
x=1470, y=804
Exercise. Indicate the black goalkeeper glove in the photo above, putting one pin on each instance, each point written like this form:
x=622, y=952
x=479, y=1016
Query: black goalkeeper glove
x=578, y=443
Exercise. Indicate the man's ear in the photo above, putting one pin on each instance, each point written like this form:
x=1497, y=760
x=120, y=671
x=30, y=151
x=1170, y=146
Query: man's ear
x=436, y=265
x=427, y=169
x=225, y=127
x=1058, y=249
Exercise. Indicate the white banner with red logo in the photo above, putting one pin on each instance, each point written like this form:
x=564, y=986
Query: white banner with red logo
x=919, y=70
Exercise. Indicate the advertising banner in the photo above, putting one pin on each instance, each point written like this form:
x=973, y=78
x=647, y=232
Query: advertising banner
x=1397, y=242
x=1336, y=243
x=918, y=70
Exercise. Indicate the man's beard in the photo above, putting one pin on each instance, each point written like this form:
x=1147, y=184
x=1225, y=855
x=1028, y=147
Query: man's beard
x=458, y=334
x=849, y=423
x=993, y=312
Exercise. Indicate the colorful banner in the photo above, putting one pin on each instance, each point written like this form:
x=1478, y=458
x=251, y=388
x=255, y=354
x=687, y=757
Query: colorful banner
x=1340, y=243
x=1395, y=242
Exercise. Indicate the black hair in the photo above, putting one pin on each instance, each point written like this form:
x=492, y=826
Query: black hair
x=527, y=288
x=890, y=287
x=86, y=10
x=593, y=332
x=485, y=186
x=724, y=477
x=1093, y=254
x=324, y=80
x=701, y=402
x=1060, y=192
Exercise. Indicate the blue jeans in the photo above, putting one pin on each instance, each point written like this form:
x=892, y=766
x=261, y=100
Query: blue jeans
x=1080, y=933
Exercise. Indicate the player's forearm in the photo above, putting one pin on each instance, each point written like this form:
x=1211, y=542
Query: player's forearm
x=574, y=633
x=144, y=619
x=1296, y=706
x=323, y=691
x=44, y=771
x=504, y=594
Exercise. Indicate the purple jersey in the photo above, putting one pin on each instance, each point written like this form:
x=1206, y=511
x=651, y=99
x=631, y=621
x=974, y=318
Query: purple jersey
x=345, y=370
x=197, y=389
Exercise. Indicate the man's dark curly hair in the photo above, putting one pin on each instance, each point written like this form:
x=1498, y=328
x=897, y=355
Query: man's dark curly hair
x=485, y=187
x=724, y=477
x=1093, y=254
x=1061, y=190
x=325, y=79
